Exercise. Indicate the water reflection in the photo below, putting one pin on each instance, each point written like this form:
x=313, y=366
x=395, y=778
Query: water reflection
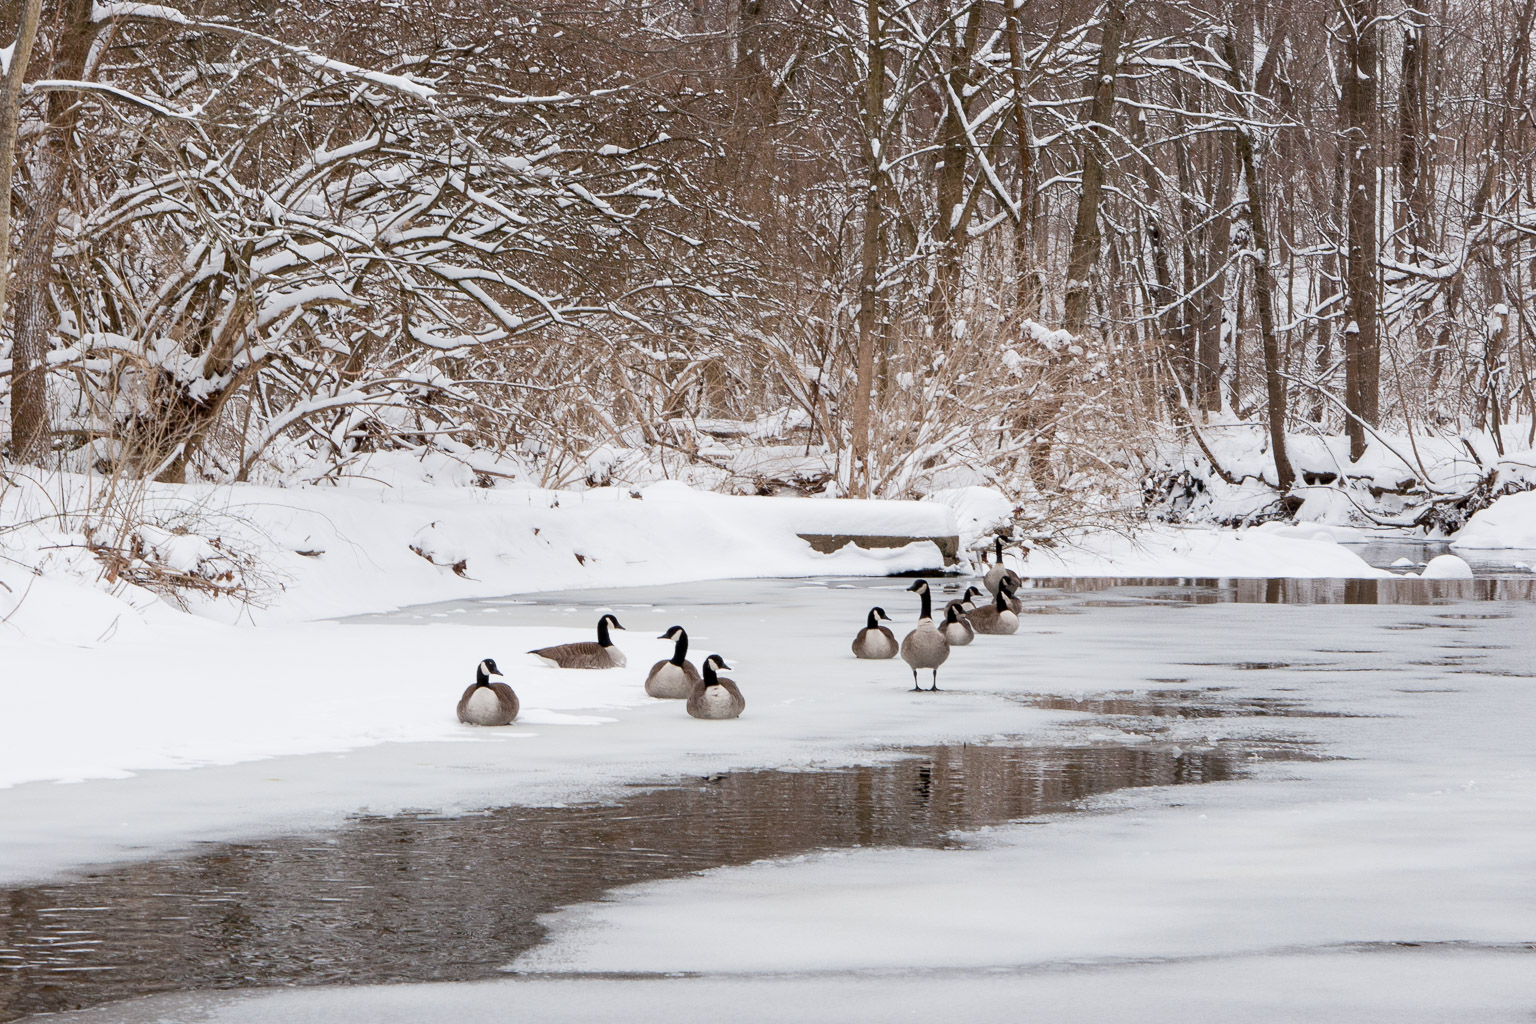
x=430, y=898
x=1129, y=591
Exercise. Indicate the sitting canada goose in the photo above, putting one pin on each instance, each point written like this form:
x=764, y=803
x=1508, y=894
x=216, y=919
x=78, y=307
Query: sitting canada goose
x=875, y=640
x=485, y=702
x=957, y=628
x=925, y=646
x=996, y=618
x=968, y=599
x=715, y=696
x=676, y=676
x=1010, y=589
x=587, y=654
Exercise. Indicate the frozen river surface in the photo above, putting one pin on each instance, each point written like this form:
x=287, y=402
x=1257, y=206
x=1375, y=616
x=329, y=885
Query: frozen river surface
x=1018, y=845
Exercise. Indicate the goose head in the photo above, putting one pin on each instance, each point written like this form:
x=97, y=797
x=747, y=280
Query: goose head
x=711, y=663
x=485, y=670
x=680, y=635
x=602, y=629
x=952, y=612
x=875, y=615
x=921, y=587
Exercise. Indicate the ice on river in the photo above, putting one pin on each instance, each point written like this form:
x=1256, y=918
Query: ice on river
x=1392, y=879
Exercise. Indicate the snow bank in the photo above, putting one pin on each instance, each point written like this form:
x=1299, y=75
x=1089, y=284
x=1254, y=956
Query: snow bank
x=1510, y=522
x=360, y=550
x=313, y=552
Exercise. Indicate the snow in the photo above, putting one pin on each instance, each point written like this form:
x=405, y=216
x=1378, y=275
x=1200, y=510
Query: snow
x=1447, y=567
x=1405, y=986
x=1510, y=522
x=397, y=539
x=1271, y=550
x=981, y=513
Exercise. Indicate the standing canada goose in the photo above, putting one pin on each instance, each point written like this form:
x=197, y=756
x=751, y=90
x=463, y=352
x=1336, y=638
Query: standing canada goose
x=957, y=628
x=587, y=654
x=715, y=696
x=925, y=646
x=676, y=676
x=485, y=702
x=875, y=640
x=996, y=571
x=996, y=618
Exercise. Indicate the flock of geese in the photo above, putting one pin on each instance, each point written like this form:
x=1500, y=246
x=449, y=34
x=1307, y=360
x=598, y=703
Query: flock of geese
x=710, y=695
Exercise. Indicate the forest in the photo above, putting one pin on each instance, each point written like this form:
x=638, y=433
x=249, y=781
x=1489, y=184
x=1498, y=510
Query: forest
x=1095, y=254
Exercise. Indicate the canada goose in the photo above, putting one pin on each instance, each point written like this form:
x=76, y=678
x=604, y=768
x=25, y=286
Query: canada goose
x=485, y=702
x=925, y=646
x=968, y=599
x=587, y=654
x=995, y=574
x=996, y=618
x=674, y=677
x=957, y=628
x=875, y=640
x=1010, y=588
x=715, y=696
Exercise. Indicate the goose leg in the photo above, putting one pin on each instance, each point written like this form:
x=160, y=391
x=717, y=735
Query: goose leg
x=915, y=688
x=935, y=685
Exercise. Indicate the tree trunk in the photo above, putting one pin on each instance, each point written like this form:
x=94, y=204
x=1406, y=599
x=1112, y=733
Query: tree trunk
x=1263, y=277
x=1028, y=281
x=869, y=276
x=11, y=80
x=1362, y=352
x=31, y=431
x=1085, y=235
x=953, y=226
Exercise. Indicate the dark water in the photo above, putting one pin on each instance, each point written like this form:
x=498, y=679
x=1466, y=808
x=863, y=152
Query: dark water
x=432, y=898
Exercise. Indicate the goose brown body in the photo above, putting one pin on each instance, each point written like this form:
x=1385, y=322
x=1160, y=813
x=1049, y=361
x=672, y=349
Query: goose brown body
x=997, y=618
x=485, y=702
x=673, y=678
x=587, y=654
x=715, y=696
x=874, y=640
x=957, y=628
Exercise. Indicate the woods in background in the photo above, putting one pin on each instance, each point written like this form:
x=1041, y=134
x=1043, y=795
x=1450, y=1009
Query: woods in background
x=1026, y=238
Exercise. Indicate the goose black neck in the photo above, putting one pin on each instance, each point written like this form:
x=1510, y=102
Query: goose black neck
x=927, y=604
x=481, y=679
x=1002, y=599
x=710, y=679
x=681, y=650
x=999, y=550
x=603, y=638
x=874, y=623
